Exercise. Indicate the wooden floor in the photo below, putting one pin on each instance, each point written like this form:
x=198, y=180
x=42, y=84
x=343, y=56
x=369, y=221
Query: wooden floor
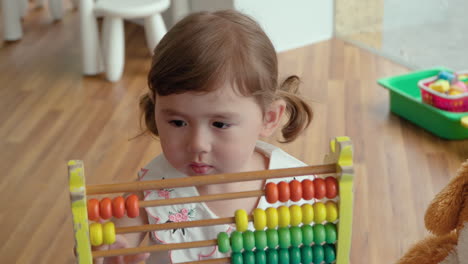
x=50, y=113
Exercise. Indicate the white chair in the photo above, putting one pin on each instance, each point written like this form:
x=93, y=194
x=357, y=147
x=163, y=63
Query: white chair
x=113, y=46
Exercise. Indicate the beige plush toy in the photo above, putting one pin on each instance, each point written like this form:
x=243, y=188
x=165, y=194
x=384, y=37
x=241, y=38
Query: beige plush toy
x=447, y=219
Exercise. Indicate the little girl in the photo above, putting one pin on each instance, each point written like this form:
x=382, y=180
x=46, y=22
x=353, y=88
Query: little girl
x=213, y=94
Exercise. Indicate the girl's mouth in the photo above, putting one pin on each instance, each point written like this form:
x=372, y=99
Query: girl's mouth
x=200, y=168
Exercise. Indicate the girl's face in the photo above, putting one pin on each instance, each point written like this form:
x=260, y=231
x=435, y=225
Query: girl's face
x=210, y=133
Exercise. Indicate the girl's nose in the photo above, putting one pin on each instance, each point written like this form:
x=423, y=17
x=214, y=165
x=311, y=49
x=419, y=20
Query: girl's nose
x=199, y=141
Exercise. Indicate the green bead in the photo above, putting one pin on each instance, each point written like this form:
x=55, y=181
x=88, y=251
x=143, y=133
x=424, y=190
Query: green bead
x=283, y=256
x=272, y=238
x=223, y=242
x=260, y=239
x=272, y=256
x=237, y=258
x=260, y=256
x=284, y=237
x=318, y=253
x=330, y=230
x=306, y=254
x=294, y=255
x=319, y=234
x=249, y=257
x=249, y=240
x=237, y=242
x=329, y=251
x=296, y=236
x=307, y=235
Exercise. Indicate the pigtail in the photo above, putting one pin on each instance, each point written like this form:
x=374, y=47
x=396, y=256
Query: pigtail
x=147, y=113
x=299, y=112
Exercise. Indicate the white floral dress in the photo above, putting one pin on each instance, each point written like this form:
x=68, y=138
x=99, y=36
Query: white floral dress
x=159, y=168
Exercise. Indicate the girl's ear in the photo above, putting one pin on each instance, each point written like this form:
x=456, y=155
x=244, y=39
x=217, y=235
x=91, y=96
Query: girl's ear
x=272, y=117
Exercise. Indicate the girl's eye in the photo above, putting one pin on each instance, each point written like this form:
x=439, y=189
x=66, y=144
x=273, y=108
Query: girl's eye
x=221, y=125
x=178, y=123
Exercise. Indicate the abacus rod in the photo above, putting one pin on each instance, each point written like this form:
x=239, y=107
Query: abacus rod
x=203, y=198
x=177, y=225
x=209, y=261
x=152, y=248
x=209, y=179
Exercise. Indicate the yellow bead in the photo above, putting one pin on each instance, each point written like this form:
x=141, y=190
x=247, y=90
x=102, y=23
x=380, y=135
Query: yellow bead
x=272, y=217
x=332, y=211
x=260, y=219
x=95, y=234
x=108, y=230
x=296, y=215
x=284, y=217
x=242, y=220
x=307, y=214
x=320, y=213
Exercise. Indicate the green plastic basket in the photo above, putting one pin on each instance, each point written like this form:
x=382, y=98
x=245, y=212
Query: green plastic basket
x=405, y=101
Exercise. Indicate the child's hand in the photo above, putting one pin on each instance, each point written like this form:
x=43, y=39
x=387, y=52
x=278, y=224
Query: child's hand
x=120, y=242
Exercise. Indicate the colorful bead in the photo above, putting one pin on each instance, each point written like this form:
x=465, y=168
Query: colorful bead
x=108, y=231
x=283, y=191
x=318, y=253
x=296, y=190
x=272, y=256
x=331, y=185
x=223, y=242
x=260, y=257
x=332, y=211
x=330, y=231
x=306, y=254
x=237, y=241
x=118, y=207
x=329, y=252
x=272, y=238
x=307, y=214
x=295, y=212
x=319, y=234
x=320, y=213
x=307, y=234
x=249, y=240
x=249, y=257
x=105, y=208
x=294, y=255
x=308, y=190
x=283, y=256
x=260, y=239
x=271, y=192
x=237, y=258
x=95, y=234
x=242, y=220
x=284, y=216
x=296, y=236
x=132, y=206
x=320, y=188
x=284, y=237
x=272, y=217
x=93, y=209
x=259, y=219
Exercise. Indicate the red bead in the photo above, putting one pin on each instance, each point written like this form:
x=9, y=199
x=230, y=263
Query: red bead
x=132, y=206
x=118, y=207
x=105, y=208
x=271, y=192
x=284, y=191
x=296, y=190
x=332, y=187
x=320, y=188
x=93, y=209
x=308, y=191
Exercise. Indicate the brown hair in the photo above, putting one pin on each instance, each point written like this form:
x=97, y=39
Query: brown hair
x=206, y=49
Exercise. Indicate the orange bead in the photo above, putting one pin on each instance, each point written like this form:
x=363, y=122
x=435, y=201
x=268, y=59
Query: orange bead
x=105, y=208
x=332, y=187
x=118, y=207
x=320, y=189
x=296, y=190
x=271, y=192
x=132, y=206
x=308, y=191
x=283, y=191
x=93, y=209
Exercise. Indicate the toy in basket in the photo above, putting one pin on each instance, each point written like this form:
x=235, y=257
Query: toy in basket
x=318, y=231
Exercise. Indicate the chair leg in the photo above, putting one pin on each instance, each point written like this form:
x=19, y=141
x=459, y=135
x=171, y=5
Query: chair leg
x=56, y=9
x=12, y=29
x=91, y=53
x=155, y=30
x=114, y=47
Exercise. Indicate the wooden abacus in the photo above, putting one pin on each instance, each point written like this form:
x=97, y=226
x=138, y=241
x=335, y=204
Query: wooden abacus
x=323, y=237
